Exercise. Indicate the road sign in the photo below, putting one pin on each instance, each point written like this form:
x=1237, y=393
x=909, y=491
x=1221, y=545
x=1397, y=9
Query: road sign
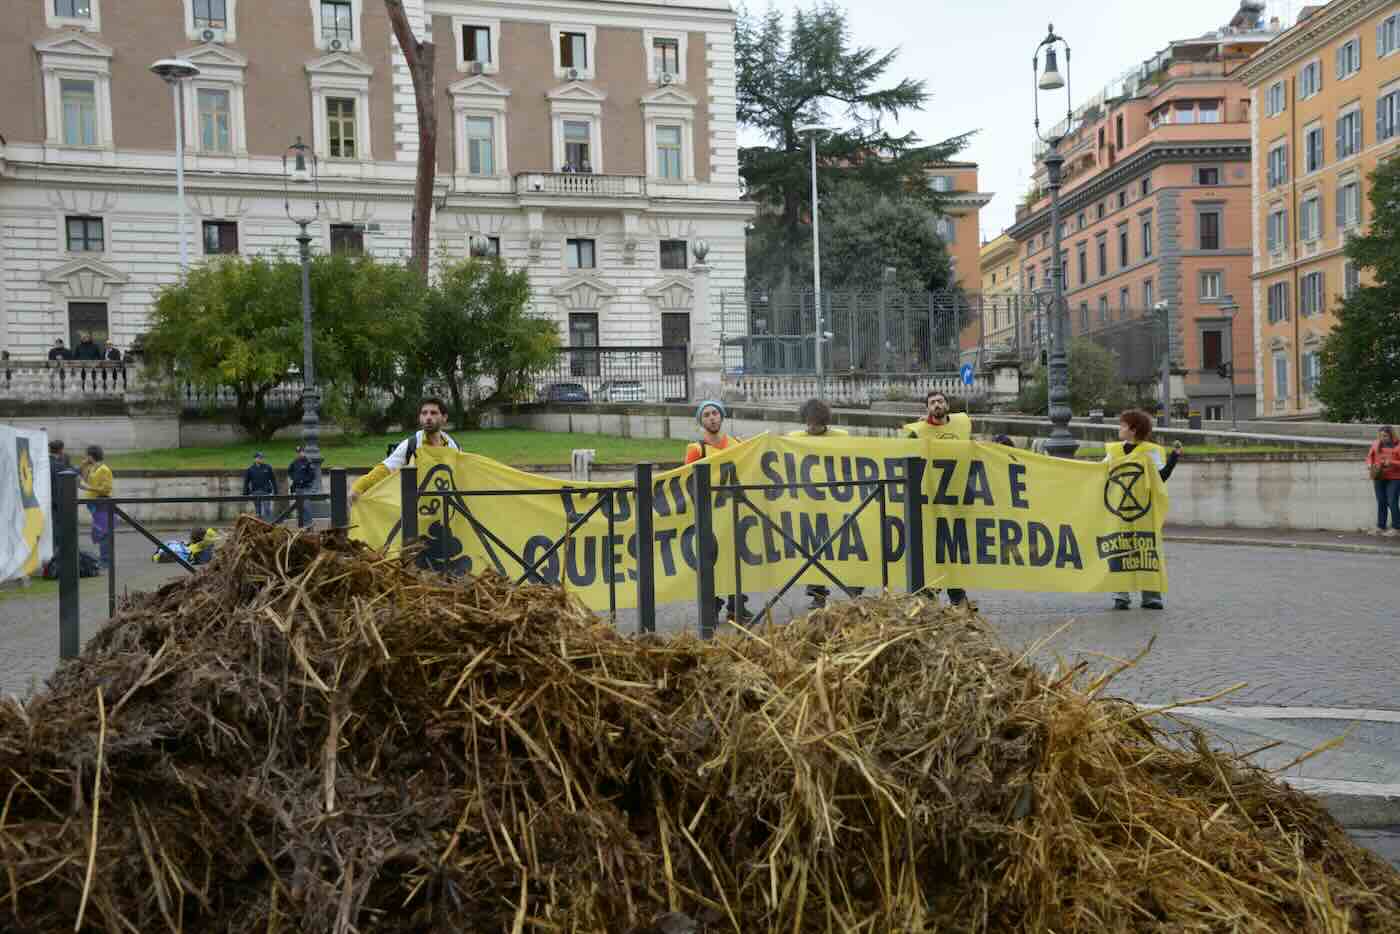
x=966, y=372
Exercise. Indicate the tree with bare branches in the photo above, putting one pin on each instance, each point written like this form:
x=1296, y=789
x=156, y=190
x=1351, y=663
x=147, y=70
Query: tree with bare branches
x=420, y=57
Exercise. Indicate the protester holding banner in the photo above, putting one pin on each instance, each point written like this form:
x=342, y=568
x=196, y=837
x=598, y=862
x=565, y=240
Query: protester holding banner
x=1134, y=432
x=940, y=423
x=710, y=415
x=432, y=416
x=943, y=425
x=96, y=483
x=817, y=416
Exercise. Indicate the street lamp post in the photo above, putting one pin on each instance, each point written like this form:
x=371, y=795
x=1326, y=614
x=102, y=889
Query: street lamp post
x=304, y=171
x=1230, y=307
x=1165, y=419
x=174, y=71
x=1060, y=443
x=811, y=130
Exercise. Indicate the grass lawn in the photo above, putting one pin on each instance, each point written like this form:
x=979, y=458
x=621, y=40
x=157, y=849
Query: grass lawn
x=508, y=445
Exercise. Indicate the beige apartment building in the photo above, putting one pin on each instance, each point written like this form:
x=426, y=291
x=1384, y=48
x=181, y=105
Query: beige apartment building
x=1000, y=263
x=1155, y=216
x=590, y=143
x=1325, y=100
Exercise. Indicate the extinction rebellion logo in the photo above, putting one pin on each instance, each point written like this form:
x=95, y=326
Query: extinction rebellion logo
x=1127, y=494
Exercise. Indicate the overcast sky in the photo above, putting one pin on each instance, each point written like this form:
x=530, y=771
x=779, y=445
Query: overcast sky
x=975, y=56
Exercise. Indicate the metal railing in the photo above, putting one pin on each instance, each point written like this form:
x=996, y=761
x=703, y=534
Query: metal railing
x=615, y=374
x=66, y=522
x=433, y=502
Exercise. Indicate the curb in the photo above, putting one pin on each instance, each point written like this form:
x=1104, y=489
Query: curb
x=1277, y=543
x=1355, y=805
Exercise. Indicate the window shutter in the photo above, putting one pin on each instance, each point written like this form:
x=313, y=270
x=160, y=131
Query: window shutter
x=1341, y=62
x=1356, y=124
x=1341, y=208
x=1321, y=301
x=1341, y=138
x=1321, y=206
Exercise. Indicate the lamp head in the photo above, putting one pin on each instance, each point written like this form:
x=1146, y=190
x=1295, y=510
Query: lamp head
x=1051, y=79
x=174, y=69
x=812, y=128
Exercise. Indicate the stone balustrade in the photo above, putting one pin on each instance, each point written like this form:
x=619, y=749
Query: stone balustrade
x=41, y=380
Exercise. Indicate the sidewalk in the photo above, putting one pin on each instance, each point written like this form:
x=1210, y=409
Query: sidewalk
x=1357, y=542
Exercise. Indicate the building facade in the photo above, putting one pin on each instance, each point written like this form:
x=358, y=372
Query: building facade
x=1000, y=264
x=1155, y=215
x=1325, y=99
x=961, y=230
x=592, y=144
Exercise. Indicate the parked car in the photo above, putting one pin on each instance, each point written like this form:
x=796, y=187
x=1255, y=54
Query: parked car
x=564, y=392
x=622, y=390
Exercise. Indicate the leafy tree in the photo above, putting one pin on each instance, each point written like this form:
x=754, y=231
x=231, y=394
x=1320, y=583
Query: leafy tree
x=1360, y=378
x=1094, y=381
x=373, y=325
x=789, y=77
x=862, y=233
x=477, y=330
x=236, y=322
x=232, y=322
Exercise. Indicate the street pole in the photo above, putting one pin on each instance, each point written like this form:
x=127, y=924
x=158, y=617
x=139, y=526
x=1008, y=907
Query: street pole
x=180, y=175
x=1060, y=443
x=817, y=261
x=310, y=395
x=1165, y=419
x=1231, y=309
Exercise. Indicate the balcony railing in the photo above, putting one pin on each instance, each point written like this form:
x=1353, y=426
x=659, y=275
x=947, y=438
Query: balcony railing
x=580, y=185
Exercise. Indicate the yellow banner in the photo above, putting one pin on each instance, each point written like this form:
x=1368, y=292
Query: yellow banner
x=994, y=518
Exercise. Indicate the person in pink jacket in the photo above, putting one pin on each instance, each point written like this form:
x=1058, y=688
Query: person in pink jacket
x=1383, y=466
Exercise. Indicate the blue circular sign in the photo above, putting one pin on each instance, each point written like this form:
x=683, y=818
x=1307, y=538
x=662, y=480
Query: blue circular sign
x=966, y=372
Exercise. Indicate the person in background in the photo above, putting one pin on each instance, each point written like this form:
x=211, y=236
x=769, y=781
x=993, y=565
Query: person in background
x=88, y=352
x=96, y=483
x=58, y=356
x=432, y=418
x=1383, y=467
x=1135, y=431
x=942, y=424
x=301, y=478
x=817, y=416
x=711, y=414
x=60, y=352
x=259, y=480
x=113, y=357
x=58, y=464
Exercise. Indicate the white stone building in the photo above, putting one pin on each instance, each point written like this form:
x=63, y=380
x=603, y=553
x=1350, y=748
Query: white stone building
x=593, y=142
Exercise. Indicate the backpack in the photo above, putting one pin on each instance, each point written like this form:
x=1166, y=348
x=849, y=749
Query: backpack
x=413, y=446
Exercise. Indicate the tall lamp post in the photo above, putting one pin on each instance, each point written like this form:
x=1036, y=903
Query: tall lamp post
x=304, y=172
x=175, y=71
x=1060, y=443
x=811, y=130
x=1165, y=381
x=1231, y=308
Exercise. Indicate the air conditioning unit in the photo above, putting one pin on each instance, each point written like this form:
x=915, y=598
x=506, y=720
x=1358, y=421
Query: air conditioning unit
x=667, y=78
x=573, y=74
x=337, y=45
x=212, y=35
x=474, y=68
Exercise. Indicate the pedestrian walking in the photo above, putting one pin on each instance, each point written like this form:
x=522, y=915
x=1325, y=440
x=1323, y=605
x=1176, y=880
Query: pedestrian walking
x=816, y=414
x=259, y=480
x=1135, y=431
x=711, y=415
x=96, y=484
x=301, y=478
x=432, y=418
x=1383, y=467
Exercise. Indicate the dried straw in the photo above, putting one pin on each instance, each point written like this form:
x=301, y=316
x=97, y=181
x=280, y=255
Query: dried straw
x=309, y=737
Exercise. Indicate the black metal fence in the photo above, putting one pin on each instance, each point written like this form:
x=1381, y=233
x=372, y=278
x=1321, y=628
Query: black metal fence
x=616, y=374
x=901, y=535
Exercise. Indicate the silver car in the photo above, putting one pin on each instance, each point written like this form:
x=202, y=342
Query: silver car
x=622, y=390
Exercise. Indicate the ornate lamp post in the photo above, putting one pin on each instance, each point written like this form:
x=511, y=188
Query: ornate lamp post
x=1061, y=443
x=1231, y=308
x=304, y=172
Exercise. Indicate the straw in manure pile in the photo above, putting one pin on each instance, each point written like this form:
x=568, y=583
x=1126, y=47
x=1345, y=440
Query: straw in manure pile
x=306, y=736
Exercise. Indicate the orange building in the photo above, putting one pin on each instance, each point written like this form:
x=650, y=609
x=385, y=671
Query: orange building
x=1326, y=100
x=960, y=228
x=1155, y=212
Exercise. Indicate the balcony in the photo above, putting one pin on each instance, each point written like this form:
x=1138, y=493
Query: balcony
x=579, y=185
